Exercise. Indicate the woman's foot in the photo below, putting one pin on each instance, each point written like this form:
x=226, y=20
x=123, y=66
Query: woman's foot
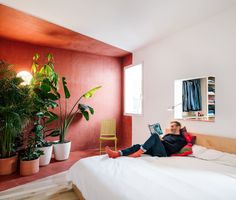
x=137, y=153
x=112, y=154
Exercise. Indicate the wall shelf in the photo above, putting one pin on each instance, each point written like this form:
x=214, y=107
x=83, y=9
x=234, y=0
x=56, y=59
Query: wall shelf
x=207, y=113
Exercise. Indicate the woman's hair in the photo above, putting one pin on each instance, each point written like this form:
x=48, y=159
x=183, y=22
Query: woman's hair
x=176, y=123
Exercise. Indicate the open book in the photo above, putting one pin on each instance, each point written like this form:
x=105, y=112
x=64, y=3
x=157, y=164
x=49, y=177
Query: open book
x=155, y=129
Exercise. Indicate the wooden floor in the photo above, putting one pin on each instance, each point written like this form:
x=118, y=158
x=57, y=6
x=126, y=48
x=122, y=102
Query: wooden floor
x=15, y=180
x=55, y=187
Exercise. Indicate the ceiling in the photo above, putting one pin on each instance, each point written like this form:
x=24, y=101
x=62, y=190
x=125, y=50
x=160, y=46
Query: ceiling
x=126, y=24
x=20, y=26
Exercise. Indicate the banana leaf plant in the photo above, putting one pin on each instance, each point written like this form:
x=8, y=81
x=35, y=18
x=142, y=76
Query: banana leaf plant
x=45, y=83
x=66, y=118
x=45, y=90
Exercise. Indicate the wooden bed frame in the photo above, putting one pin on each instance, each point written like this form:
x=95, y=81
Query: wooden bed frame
x=224, y=144
x=77, y=192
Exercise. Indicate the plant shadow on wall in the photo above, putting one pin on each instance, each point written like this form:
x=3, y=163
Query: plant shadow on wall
x=36, y=103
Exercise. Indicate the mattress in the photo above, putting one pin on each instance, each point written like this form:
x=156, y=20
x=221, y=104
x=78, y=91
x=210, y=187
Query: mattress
x=153, y=178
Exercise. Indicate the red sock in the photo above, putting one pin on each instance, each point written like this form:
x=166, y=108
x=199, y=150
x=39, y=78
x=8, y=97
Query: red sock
x=112, y=154
x=137, y=153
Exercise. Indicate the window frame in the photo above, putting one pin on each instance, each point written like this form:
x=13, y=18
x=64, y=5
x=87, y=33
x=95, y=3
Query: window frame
x=142, y=90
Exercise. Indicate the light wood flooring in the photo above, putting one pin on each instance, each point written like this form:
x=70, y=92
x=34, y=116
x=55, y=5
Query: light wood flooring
x=55, y=187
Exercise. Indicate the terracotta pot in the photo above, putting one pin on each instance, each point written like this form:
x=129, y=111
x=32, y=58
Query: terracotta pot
x=29, y=167
x=62, y=151
x=8, y=165
x=46, y=158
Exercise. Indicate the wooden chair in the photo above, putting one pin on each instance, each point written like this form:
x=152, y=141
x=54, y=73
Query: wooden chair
x=108, y=132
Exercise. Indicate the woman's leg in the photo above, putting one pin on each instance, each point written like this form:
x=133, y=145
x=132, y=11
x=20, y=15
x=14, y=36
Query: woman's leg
x=154, y=146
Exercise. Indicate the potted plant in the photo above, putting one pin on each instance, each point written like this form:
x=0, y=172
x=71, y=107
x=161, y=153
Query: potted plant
x=44, y=85
x=15, y=111
x=62, y=147
x=42, y=145
x=29, y=157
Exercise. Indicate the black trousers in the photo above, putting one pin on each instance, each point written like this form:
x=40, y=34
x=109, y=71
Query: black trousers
x=153, y=146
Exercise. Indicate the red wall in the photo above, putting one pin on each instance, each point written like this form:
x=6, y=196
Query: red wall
x=126, y=120
x=83, y=71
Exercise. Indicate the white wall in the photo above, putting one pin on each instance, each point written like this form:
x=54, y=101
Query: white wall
x=208, y=48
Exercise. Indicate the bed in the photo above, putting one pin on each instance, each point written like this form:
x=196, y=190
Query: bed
x=205, y=175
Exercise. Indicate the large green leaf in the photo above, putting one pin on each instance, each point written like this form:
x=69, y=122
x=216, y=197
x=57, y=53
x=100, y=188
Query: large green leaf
x=83, y=109
x=49, y=70
x=55, y=78
x=45, y=87
x=90, y=93
x=86, y=115
x=51, y=116
x=40, y=114
x=53, y=87
x=49, y=57
x=52, y=96
x=91, y=110
x=66, y=91
x=34, y=67
x=54, y=133
x=36, y=57
x=52, y=103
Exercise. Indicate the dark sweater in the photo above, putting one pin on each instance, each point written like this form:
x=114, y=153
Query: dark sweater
x=173, y=143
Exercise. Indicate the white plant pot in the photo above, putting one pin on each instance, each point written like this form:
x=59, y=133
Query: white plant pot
x=62, y=150
x=46, y=158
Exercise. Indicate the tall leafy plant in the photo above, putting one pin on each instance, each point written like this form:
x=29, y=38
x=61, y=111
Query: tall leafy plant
x=66, y=118
x=15, y=108
x=45, y=87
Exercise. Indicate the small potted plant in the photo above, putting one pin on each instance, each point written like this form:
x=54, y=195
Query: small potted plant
x=41, y=144
x=29, y=158
x=15, y=112
x=62, y=147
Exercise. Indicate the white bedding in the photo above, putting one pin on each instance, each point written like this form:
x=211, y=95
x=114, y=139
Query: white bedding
x=214, y=155
x=153, y=178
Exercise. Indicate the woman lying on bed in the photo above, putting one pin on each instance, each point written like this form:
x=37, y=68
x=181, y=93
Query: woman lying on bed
x=156, y=145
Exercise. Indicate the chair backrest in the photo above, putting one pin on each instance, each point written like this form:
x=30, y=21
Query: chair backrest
x=108, y=127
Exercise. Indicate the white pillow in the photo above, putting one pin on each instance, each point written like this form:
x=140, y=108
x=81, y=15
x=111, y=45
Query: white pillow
x=227, y=159
x=197, y=150
x=206, y=154
x=214, y=155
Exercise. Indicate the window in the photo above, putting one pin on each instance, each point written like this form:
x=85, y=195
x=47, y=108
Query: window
x=133, y=89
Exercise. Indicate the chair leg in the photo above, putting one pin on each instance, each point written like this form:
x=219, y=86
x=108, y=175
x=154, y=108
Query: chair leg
x=115, y=145
x=100, y=147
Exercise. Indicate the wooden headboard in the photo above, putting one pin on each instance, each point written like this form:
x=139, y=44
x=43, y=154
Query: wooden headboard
x=215, y=142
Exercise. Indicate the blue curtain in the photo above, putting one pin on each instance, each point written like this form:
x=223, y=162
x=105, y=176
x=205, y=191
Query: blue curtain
x=192, y=99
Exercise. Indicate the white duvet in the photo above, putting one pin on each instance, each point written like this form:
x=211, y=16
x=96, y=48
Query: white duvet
x=153, y=178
